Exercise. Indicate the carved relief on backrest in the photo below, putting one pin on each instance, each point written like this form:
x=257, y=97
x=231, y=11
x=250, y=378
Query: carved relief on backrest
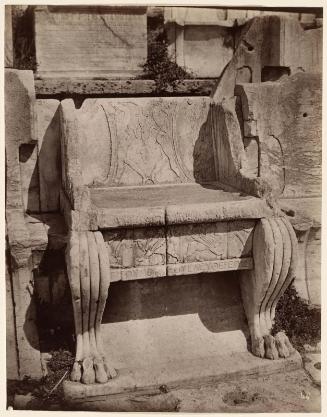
x=138, y=141
x=285, y=119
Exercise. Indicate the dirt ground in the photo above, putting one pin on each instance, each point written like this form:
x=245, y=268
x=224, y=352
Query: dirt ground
x=289, y=392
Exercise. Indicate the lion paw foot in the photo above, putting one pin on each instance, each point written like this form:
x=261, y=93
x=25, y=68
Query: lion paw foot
x=272, y=347
x=92, y=370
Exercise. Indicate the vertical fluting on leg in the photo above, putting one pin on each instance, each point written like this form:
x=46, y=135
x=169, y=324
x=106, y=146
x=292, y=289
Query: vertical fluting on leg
x=73, y=272
x=275, y=259
x=277, y=267
x=277, y=247
x=88, y=271
x=103, y=294
x=286, y=260
x=100, y=373
x=88, y=376
x=254, y=284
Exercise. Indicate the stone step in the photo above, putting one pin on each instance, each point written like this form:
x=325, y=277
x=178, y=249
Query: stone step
x=183, y=374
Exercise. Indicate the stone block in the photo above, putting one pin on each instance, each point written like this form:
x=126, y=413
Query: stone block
x=236, y=14
x=194, y=15
x=307, y=17
x=307, y=224
x=288, y=118
x=9, y=49
x=206, y=50
x=199, y=40
x=90, y=41
x=270, y=41
x=28, y=346
x=19, y=130
x=119, y=87
x=48, y=136
x=300, y=49
x=253, y=13
x=287, y=15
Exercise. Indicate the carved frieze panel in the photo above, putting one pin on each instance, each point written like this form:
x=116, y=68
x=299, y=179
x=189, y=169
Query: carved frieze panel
x=239, y=239
x=197, y=242
x=136, y=253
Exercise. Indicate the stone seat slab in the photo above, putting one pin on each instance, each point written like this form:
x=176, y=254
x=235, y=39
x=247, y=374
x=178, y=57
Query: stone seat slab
x=155, y=205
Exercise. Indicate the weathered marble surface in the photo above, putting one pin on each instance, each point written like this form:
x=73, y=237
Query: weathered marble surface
x=63, y=87
x=270, y=42
x=233, y=165
x=145, y=141
x=19, y=130
x=9, y=50
x=172, y=204
x=275, y=255
x=307, y=225
x=287, y=118
x=140, y=253
x=136, y=253
x=202, y=50
x=49, y=156
x=89, y=41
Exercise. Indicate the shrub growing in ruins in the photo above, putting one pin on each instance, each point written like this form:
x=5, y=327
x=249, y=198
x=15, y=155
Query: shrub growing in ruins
x=159, y=66
x=300, y=321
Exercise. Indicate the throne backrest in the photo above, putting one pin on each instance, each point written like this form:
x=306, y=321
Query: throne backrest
x=138, y=141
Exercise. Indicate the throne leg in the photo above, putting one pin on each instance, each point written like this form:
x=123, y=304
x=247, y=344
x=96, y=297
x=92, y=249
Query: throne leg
x=275, y=260
x=89, y=278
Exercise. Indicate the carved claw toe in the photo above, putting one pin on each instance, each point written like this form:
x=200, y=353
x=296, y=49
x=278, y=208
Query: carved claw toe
x=88, y=376
x=282, y=348
x=76, y=372
x=258, y=348
x=111, y=371
x=100, y=371
x=282, y=336
x=271, y=351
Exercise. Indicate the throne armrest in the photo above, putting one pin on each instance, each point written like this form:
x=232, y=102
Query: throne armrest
x=75, y=200
x=230, y=157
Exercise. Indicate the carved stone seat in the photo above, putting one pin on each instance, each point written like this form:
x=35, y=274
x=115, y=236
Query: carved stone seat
x=172, y=204
x=141, y=198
